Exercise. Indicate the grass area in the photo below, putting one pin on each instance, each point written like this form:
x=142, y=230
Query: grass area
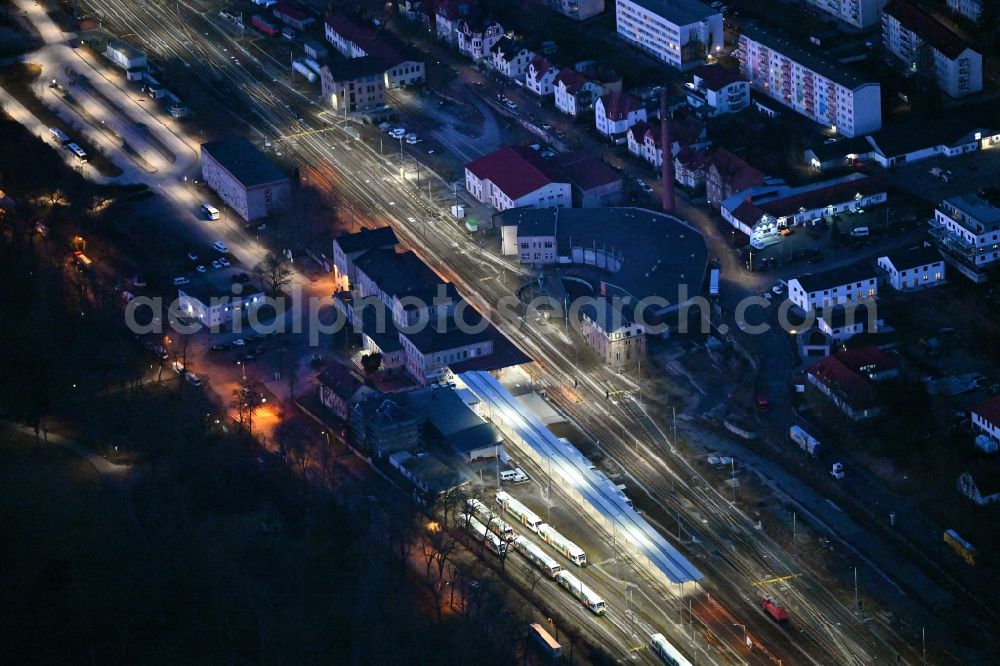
x=69, y=555
x=18, y=80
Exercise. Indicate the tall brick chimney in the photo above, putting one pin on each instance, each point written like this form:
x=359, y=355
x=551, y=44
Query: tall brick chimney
x=668, y=160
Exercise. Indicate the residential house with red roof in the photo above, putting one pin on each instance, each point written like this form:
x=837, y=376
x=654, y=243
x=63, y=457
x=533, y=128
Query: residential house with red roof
x=355, y=39
x=510, y=57
x=644, y=139
x=907, y=31
x=517, y=176
x=728, y=175
x=986, y=418
x=448, y=13
x=476, y=35
x=690, y=165
x=849, y=380
x=340, y=388
x=574, y=92
x=594, y=183
x=715, y=90
x=541, y=76
x=616, y=112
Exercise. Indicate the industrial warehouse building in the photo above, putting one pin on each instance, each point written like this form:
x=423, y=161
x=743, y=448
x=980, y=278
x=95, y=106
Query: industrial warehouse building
x=243, y=177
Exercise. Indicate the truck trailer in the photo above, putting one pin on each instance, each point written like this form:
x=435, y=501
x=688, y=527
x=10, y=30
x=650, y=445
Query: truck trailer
x=806, y=442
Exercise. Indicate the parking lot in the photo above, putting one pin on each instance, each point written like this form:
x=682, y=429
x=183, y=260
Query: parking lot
x=969, y=173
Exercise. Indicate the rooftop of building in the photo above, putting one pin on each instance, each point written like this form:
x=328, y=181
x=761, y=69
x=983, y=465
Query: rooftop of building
x=927, y=28
x=678, y=12
x=913, y=257
x=126, y=48
x=855, y=390
x=571, y=79
x=919, y=134
x=977, y=208
x=244, y=161
x=716, y=77
x=516, y=170
x=658, y=253
x=377, y=43
x=367, y=239
x=989, y=409
x=352, y=69
x=398, y=274
x=835, y=277
x=435, y=337
x=221, y=283
x=341, y=380
x=584, y=171
x=735, y=170
x=826, y=152
x=818, y=195
x=618, y=104
x=801, y=54
x=453, y=419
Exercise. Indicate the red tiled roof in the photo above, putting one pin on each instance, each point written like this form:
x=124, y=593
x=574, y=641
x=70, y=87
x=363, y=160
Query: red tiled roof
x=540, y=65
x=638, y=131
x=619, y=104
x=683, y=132
x=868, y=357
x=452, y=9
x=294, y=13
x=748, y=214
x=836, y=193
x=717, y=77
x=584, y=171
x=989, y=410
x=515, y=170
x=572, y=79
x=341, y=380
x=691, y=158
x=852, y=388
x=735, y=171
x=927, y=28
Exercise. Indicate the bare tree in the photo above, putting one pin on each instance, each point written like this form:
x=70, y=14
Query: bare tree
x=275, y=273
x=246, y=401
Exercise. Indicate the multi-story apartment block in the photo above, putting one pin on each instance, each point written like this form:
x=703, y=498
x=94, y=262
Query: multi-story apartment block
x=245, y=178
x=920, y=41
x=967, y=230
x=354, y=39
x=680, y=33
x=354, y=86
x=858, y=13
x=913, y=269
x=819, y=90
x=970, y=9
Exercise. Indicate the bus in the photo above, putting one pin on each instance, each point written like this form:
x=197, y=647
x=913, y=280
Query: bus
x=569, y=550
x=544, y=638
x=78, y=151
x=491, y=540
x=524, y=515
x=577, y=588
x=495, y=523
x=659, y=644
x=537, y=556
x=59, y=136
x=964, y=549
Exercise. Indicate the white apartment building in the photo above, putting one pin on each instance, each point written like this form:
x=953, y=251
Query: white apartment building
x=575, y=93
x=819, y=90
x=970, y=9
x=717, y=91
x=907, y=30
x=857, y=283
x=680, y=33
x=967, y=230
x=859, y=13
x=913, y=269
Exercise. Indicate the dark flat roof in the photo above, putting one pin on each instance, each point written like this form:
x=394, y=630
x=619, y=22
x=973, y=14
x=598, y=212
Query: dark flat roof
x=367, y=239
x=350, y=69
x=921, y=256
x=244, y=161
x=678, y=12
x=836, y=277
x=800, y=54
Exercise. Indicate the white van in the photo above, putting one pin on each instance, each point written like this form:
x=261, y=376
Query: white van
x=211, y=212
x=860, y=232
x=515, y=475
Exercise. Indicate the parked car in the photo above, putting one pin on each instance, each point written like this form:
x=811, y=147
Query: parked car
x=181, y=281
x=220, y=246
x=412, y=139
x=200, y=268
x=778, y=289
x=216, y=264
x=192, y=379
x=224, y=262
x=397, y=132
x=239, y=342
x=192, y=256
